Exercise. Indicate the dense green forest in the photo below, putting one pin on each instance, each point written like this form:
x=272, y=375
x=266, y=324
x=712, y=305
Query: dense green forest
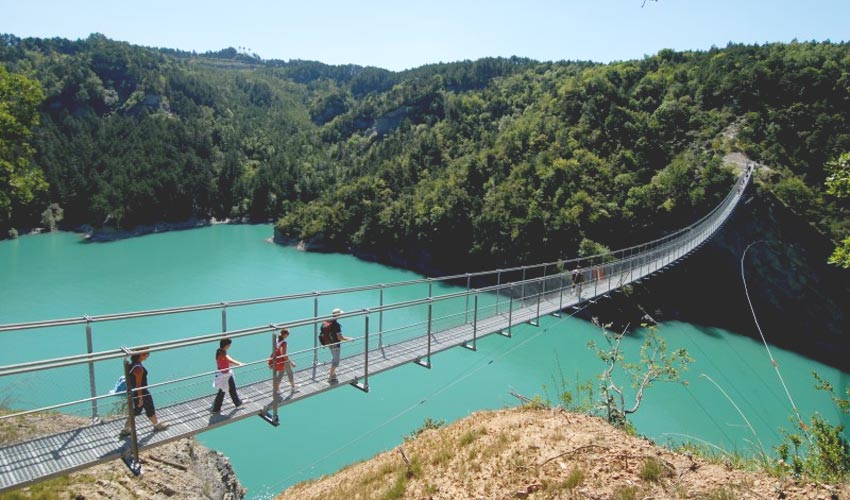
x=450, y=166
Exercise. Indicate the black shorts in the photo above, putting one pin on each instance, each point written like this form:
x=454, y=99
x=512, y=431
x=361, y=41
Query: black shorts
x=147, y=405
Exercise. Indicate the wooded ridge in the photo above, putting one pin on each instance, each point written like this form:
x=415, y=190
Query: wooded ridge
x=472, y=164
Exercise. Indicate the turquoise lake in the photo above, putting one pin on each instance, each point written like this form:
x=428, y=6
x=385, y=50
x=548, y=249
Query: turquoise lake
x=56, y=275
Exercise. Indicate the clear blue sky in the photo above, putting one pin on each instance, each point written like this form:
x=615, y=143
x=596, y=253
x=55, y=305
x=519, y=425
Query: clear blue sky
x=401, y=34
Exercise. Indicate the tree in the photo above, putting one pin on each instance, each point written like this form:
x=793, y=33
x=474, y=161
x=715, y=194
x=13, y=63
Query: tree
x=19, y=180
x=52, y=216
x=838, y=184
x=656, y=365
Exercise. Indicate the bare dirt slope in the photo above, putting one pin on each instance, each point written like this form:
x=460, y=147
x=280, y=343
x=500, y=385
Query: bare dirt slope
x=544, y=454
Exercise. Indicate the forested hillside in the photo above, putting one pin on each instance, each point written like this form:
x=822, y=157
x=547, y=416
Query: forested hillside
x=448, y=166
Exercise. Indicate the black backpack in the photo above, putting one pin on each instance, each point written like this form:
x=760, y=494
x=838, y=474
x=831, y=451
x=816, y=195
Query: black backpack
x=325, y=336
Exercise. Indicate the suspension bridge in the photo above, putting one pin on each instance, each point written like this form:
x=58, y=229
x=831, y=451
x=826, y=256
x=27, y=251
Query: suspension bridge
x=444, y=312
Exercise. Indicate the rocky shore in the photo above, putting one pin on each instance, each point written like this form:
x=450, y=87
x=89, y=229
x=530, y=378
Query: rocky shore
x=180, y=469
x=109, y=233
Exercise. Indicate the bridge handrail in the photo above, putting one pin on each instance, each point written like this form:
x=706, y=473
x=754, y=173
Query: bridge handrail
x=210, y=337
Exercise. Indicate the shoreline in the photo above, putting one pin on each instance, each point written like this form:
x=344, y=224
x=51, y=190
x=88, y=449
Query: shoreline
x=107, y=234
x=89, y=234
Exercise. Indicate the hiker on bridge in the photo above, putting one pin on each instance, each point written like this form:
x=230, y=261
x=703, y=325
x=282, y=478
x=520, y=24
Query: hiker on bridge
x=280, y=363
x=331, y=333
x=224, y=377
x=578, y=278
x=137, y=383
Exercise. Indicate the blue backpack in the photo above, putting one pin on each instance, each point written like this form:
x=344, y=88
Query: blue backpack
x=120, y=386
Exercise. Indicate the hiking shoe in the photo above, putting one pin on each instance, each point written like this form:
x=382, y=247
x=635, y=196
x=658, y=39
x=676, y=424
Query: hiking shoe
x=160, y=426
x=333, y=380
x=125, y=433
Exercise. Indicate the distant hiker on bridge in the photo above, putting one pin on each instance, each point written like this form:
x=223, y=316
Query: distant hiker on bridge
x=137, y=383
x=225, y=377
x=280, y=363
x=578, y=278
x=330, y=335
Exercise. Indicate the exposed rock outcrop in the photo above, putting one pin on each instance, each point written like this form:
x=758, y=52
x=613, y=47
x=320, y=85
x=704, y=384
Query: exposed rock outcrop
x=109, y=233
x=180, y=469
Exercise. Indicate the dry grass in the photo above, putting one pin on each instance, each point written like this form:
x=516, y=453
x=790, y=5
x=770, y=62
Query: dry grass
x=546, y=454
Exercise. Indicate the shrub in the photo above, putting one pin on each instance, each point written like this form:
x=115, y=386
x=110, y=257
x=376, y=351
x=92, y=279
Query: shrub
x=651, y=470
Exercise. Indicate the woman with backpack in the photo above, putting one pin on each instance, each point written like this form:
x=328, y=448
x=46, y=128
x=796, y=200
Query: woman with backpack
x=280, y=363
x=137, y=384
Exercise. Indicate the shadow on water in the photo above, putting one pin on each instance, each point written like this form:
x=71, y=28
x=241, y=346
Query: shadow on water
x=708, y=330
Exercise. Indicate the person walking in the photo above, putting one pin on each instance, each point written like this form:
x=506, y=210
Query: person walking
x=280, y=363
x=334, y=330
x=137, y=384
x=578, y=278
x=224, y=377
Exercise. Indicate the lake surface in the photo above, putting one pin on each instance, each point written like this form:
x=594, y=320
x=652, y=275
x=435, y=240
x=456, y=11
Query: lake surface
x=57, y=276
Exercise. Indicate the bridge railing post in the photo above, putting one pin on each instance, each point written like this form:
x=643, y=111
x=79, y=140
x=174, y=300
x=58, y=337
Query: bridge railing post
x=545, y=266
x=536, y=321
x=498, y=289
x=475, y=324
x=364, y=386
x=224, y=316
x=641, y=259
x=510, y=317
x=315, y=332
x=430, y=312
x=381, y=319
x=560, y=294
x=522, y=290
x=655, y=258
x=594, y=273
x=466, y=307
x=474, y=345
x=92, y=385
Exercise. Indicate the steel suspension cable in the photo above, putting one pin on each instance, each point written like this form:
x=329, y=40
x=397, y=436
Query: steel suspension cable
x=767, y=348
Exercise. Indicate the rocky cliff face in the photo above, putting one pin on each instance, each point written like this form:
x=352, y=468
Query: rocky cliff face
x=181, y=469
